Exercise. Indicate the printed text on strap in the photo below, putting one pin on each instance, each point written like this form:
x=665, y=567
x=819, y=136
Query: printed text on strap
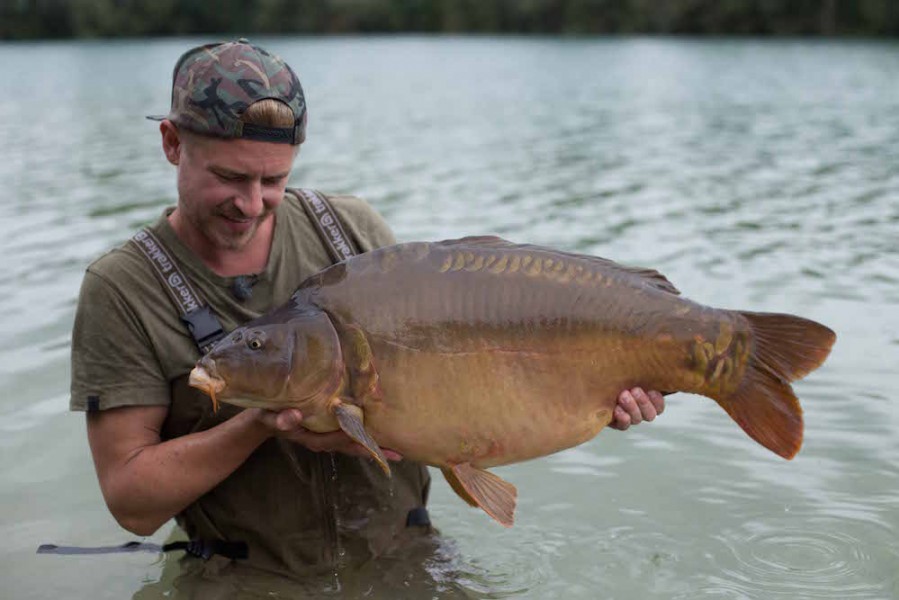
x=329, y=228
x=202, y=323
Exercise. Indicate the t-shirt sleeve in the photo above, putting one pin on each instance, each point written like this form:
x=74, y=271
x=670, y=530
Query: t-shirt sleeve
x=113, y=361
x=366, y=226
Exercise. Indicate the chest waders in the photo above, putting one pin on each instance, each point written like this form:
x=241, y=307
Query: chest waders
x=315, y=470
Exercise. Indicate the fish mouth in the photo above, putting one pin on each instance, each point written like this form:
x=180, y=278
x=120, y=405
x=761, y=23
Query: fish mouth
x=206, y=382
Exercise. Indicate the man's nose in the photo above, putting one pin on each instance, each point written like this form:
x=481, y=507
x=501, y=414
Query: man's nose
x=250, y=203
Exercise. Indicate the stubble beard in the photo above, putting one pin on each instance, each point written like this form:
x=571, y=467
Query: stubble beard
x=212, y=228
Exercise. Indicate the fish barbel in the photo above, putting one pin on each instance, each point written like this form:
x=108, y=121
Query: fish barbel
x=468, y=354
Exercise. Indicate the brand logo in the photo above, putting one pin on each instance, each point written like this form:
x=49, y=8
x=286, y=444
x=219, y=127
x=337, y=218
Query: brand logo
x=188, y=302
x=330, y=225
x=152, y=250
x=173, y=278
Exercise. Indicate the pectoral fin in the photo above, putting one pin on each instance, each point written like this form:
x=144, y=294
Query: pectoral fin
x=494, y=495
x=350, y=418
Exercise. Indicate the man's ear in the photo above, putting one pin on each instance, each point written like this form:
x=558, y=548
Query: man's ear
x=172, y=144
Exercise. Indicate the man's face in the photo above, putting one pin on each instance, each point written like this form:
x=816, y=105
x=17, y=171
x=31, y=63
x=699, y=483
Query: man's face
x=227, y=188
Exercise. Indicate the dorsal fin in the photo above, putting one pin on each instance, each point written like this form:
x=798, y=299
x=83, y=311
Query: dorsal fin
x=480, y=241
x=650, y=276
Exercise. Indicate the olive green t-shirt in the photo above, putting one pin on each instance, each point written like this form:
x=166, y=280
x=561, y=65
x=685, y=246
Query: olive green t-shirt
x=129, y=343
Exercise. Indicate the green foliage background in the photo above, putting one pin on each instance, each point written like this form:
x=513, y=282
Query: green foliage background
x=28, y=19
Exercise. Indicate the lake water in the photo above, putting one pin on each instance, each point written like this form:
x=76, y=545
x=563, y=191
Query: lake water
x=760, y=175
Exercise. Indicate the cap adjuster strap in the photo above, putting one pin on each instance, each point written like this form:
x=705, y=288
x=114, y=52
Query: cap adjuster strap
x=327, y=224
x=201, y=322
x=259, y=133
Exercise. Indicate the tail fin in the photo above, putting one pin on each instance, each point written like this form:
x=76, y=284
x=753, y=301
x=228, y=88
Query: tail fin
x=786, y=348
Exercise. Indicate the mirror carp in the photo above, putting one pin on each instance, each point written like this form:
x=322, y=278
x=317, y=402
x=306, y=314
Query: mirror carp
x=472, y=353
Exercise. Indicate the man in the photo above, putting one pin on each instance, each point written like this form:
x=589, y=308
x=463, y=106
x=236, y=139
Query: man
x=238, y=116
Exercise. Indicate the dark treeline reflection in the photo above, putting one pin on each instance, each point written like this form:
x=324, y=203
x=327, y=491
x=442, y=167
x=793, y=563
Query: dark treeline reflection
x=24, y=19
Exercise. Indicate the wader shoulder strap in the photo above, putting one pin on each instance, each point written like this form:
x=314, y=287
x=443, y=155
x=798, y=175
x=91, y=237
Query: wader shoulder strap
x=202, y=323
x=339, y=245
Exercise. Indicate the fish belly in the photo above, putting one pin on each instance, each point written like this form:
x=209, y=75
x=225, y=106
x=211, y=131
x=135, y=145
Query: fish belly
x=490, y=408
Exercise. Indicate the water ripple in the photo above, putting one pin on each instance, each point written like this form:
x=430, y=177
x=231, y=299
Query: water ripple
x=823, y=558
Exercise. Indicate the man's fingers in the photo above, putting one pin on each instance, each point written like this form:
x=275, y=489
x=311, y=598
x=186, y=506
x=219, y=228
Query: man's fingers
x=627, y=401
x=644, y=405
x=622, y=419
x=284, y=420
x=635, y=406
x=392, y=454
x=288, y=419
x=658, y=401
x=337, y=441
x=289, y=423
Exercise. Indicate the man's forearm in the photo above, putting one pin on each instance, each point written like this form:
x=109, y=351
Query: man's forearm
x=149, y=483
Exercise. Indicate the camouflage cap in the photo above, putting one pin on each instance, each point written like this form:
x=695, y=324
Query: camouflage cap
x=213, y=85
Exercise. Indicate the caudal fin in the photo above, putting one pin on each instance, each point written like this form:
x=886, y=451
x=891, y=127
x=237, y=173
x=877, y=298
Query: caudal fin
x=785, y=348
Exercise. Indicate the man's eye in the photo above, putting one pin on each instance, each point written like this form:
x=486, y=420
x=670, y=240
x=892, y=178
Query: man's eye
x=230, y=178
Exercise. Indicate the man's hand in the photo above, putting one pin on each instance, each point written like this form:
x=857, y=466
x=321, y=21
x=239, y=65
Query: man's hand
x=636, y=406
x=286, y=424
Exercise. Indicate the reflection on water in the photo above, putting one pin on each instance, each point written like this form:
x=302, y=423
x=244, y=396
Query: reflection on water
x=755, y=175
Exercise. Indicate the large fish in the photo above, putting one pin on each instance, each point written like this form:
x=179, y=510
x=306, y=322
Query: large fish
x=467, y=354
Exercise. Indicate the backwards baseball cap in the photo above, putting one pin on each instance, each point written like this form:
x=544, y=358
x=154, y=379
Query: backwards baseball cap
x=213, y=85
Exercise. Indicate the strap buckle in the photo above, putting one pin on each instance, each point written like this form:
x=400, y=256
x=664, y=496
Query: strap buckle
x=418, y=517
x=204, y=327
x=205, y=549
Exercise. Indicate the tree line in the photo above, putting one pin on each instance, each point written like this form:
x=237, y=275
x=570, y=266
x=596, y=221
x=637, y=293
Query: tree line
x=34, y=19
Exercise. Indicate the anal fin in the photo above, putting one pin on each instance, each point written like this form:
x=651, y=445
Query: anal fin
x=350, y=418
x=457, y=487
x=494, y=495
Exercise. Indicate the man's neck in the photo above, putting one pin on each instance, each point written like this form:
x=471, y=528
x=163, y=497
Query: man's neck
x=251, y=258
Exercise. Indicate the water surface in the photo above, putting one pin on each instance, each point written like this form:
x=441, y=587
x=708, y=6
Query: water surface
x=755, y=174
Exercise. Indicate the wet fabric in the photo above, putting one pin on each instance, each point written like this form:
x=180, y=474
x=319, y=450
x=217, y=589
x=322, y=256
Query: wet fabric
x=422, y=567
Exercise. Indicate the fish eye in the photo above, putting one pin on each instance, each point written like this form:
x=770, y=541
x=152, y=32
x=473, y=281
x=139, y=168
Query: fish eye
x=255, y=343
